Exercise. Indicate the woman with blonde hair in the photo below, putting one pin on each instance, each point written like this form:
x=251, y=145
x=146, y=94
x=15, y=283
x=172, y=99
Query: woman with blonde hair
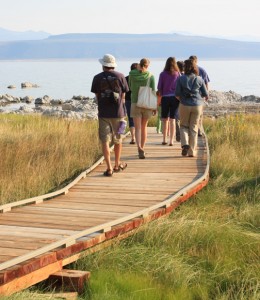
x=138, y=78
x=169, y=103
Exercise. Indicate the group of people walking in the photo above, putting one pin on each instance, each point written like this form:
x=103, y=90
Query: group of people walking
x=182, y=89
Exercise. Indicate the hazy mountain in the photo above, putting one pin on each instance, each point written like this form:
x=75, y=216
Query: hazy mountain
x=241, y=38
x=9, y=35
x=69, y=46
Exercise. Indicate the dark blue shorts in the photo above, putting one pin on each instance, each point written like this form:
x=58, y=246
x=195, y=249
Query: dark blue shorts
x=128, y=110
x=169, y=107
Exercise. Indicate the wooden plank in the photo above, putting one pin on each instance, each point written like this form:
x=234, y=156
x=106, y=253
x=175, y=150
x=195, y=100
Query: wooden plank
x=43, y=225
x=14, y=252
x=58, y=232
x=32, y=234
x=18, y=239
x=95, y=207
x=4, y=258
x=30, y=279
x=35, y=217
x=52, y=223
x=71, y=211
x=31, y=245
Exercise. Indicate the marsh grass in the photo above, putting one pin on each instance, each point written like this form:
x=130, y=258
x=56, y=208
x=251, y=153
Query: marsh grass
x=39, y=155
x=209, y=248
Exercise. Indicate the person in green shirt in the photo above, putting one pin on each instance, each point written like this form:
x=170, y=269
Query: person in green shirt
x=137, y=78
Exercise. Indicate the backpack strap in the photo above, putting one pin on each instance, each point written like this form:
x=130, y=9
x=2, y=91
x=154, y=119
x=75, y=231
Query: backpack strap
x=108, y=82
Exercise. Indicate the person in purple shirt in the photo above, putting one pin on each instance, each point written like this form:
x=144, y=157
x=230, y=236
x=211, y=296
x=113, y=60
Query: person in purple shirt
x=204, y=75
x=169, y=103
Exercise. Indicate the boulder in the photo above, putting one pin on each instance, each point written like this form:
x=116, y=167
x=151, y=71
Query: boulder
x=44, y=100
x=251, y=98
x=223, y=98
x=27, y=99
x=28, y=85
x=80, y=97
x=26, y=109
x=56, y=102
x=10, y=99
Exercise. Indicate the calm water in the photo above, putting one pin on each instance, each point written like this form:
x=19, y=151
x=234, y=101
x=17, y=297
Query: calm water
x=63, y=79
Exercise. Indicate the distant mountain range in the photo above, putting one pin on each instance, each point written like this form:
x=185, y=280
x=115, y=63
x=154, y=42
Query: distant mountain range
x=10, y=35
x=94, y=45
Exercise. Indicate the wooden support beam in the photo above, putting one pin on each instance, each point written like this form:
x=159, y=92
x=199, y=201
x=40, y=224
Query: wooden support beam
x=69, y=280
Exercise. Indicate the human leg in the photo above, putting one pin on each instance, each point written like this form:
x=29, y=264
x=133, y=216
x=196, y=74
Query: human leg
x=172, y=130
x=164, y=130
x=159, y=122
x=193, y=129
x=174, y=114
x=184, y=112
x=137, y=122
x=117, y=150
x=144, y=123
x=105, y=133
x=132, y=132
x=130, y=121
x=165, y=104
x=177, y=130
x=200, y=126
x=106, y=154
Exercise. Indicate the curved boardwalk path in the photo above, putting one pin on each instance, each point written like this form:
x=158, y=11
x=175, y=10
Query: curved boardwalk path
x=40, y=236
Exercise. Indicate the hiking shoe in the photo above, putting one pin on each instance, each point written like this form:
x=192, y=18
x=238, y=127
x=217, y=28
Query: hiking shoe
x=185, y=150
x=141, y=154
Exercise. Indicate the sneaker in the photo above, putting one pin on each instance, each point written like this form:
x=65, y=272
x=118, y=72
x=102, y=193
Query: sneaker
x=185, y=150
x=141, y=154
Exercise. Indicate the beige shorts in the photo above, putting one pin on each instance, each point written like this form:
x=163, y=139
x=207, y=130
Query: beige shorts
x=108, y=128
x=139, y=112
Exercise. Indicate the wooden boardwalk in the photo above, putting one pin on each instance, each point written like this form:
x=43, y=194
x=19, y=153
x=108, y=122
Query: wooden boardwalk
x=39, y=238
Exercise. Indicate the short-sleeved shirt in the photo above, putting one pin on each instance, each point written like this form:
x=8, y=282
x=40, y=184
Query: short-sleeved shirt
x=103, y=85
x=204, y=75
x=167, y=83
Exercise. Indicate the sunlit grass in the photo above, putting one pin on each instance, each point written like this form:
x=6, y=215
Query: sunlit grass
x=40, y=154
x=209, y=248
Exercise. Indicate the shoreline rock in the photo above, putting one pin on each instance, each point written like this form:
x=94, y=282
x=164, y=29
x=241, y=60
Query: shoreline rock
x=81, y=107
x=25, y=85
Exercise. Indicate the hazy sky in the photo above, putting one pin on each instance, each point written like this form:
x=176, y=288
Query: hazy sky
x=204, y=17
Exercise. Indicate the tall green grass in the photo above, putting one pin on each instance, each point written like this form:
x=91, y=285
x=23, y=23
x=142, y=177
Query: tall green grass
x=209, y=248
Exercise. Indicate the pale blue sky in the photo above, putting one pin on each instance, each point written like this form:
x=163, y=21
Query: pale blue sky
x=202, y=17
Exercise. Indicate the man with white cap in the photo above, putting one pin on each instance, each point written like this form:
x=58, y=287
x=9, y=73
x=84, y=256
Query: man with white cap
x=110, y=87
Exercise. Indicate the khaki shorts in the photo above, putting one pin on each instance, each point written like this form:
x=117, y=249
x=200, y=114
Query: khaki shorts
x=139, y=112
x=108, y=128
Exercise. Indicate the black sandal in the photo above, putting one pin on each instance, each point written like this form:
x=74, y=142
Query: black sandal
x=121, y=167
x=108, y=173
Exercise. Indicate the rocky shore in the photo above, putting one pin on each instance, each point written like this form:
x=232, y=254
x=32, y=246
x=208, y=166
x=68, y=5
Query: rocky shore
x=80, y=107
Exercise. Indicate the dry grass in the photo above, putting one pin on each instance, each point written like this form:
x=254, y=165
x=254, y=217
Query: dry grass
x=40, y=154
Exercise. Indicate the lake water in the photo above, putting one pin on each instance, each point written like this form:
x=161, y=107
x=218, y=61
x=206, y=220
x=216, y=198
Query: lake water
x=63, y=79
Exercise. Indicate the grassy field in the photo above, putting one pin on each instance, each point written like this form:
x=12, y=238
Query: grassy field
x=39, y=155
x=209, y=248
